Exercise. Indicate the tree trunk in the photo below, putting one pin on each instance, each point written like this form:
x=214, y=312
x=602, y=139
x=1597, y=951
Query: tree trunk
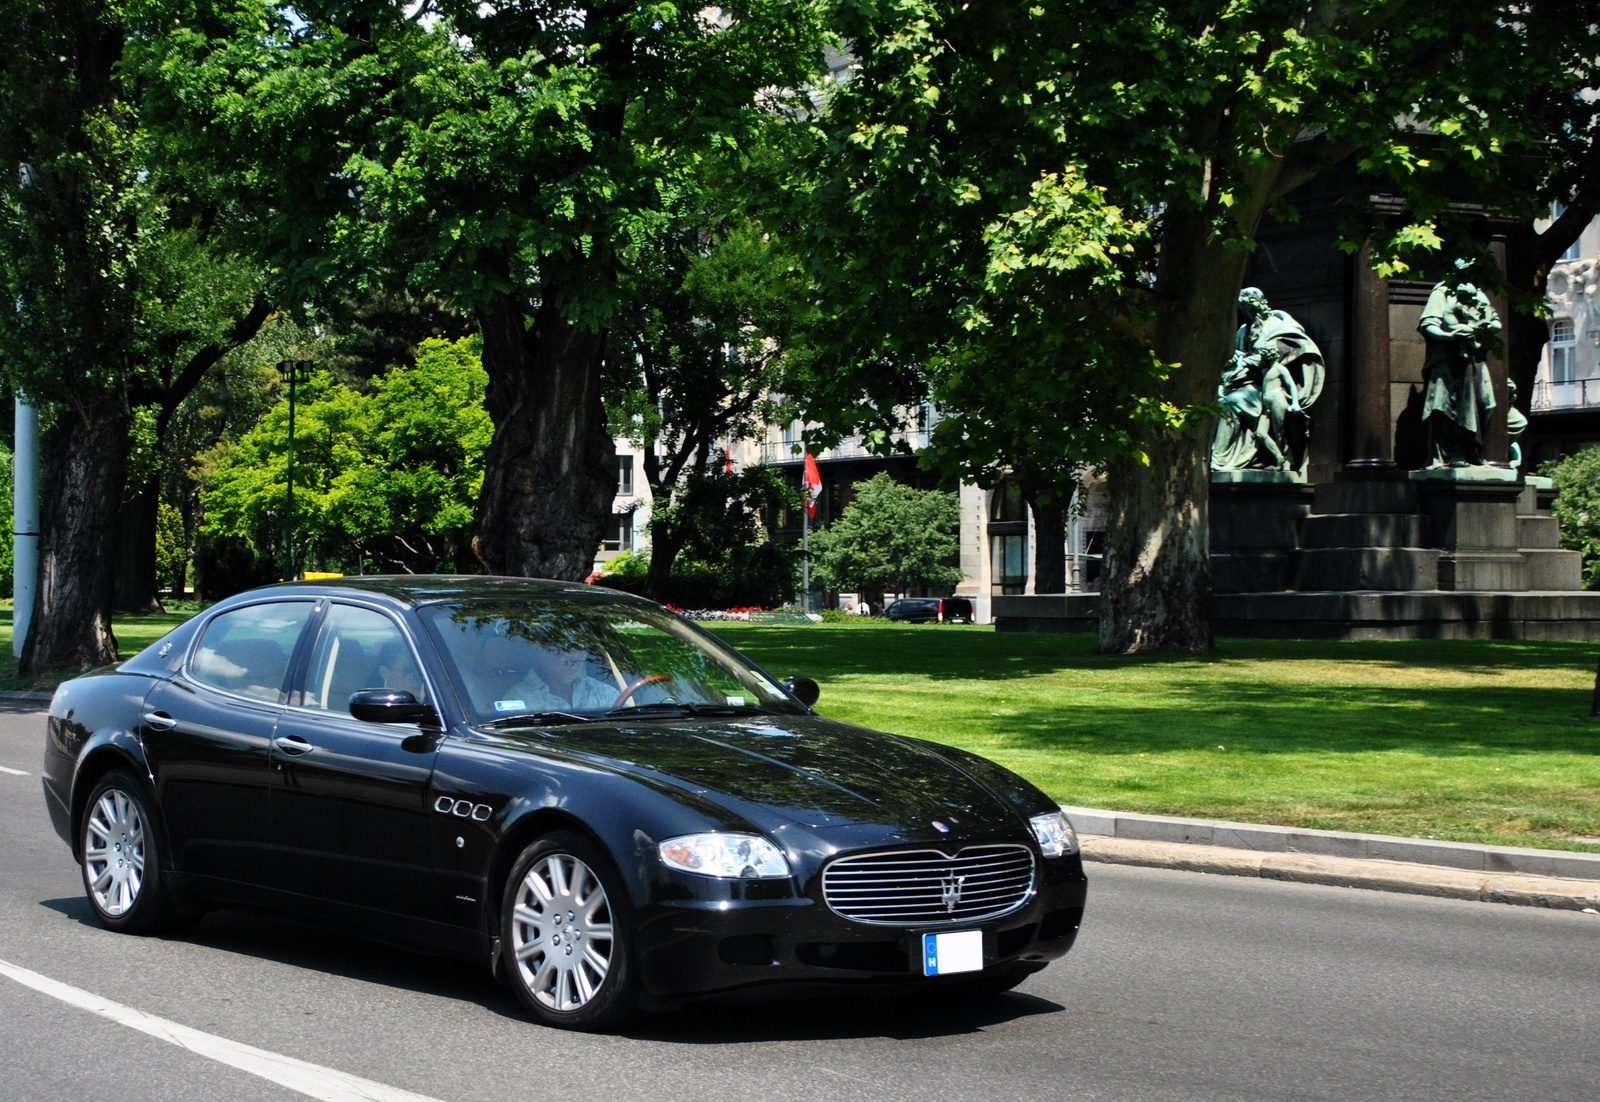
x=1155, y=593
x=83, y=460
x=550, y=471
x=1049, y=542
x=136, y=581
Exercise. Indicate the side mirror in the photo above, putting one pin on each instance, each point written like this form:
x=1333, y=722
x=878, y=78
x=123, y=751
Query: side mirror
x=803, y=689
x=389, y=706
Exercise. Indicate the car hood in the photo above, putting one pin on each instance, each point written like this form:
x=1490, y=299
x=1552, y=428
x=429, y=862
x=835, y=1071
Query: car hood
x=813, y=771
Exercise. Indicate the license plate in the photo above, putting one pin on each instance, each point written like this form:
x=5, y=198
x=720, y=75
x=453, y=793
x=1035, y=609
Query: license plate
x=943, y=954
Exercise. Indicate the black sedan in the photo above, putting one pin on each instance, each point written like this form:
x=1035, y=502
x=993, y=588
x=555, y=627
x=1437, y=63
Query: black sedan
x=601, y=801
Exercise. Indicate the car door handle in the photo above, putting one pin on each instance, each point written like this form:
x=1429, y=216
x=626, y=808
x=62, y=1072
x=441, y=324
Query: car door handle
x=293, y=744
x=160, y=721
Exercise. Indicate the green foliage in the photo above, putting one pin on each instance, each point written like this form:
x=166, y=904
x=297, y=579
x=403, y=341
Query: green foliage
x=890, y=537
x=172, y=546
x=1577, y=507
x=486, y=154
x=389, y=476
x=708, y=333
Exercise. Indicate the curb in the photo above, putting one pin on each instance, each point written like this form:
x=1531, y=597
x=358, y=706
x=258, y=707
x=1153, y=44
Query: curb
x=32, y=698
x=1251, y=837
x=1345, y=872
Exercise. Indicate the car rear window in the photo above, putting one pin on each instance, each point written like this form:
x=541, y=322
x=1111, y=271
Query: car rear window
x=247, y=650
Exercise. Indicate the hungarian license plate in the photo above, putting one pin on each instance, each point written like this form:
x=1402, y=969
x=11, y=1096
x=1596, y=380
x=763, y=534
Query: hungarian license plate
x=961, y=951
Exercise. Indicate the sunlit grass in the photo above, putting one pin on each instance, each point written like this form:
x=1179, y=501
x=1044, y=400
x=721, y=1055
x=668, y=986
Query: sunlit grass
x=1461, y=740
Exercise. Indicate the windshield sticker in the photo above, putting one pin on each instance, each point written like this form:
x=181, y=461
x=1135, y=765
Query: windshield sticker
x=736, y=701
x=509, y=705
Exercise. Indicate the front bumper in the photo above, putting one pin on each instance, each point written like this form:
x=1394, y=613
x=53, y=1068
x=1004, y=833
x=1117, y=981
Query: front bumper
x=696, y=947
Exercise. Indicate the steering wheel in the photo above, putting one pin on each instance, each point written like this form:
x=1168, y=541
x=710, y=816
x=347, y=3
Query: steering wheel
x=635, y=686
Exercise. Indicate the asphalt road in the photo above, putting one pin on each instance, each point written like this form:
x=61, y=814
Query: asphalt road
x=1182, y=986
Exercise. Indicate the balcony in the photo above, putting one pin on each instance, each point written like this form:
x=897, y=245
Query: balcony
x=1551, y=397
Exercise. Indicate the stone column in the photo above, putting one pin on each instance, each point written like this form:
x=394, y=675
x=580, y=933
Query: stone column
x=1496, y=444
x=1371, y=427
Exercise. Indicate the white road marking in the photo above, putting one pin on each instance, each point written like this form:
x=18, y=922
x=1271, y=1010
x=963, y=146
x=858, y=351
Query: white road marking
x=321, y=1083
x=13, y=772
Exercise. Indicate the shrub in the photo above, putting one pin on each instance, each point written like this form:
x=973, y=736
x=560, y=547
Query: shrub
x=1577, y=507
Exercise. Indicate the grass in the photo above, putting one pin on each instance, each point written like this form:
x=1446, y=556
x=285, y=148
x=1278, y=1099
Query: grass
x=1469, y=741
x=133, y=633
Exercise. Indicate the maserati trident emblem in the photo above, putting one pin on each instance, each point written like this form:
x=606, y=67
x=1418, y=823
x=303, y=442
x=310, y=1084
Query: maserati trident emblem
x=950, y=893
x=940, y=827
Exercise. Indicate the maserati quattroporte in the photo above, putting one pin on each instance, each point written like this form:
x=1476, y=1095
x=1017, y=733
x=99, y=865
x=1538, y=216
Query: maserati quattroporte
x=607, y=805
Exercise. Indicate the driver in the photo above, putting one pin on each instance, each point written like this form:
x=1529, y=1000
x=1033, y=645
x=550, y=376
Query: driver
x=556, y=682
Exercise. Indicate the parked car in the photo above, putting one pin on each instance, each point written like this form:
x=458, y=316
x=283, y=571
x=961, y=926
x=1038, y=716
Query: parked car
x=931, y=610
x=601, y=801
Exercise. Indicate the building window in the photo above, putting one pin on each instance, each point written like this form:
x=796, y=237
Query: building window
x=625, y=475
x=1574, y=250
x=619, y=535
x=1008, y=540
x=1008, y=564
x=1563, y=351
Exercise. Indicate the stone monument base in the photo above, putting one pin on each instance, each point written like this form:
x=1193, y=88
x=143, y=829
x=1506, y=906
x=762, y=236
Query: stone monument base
x=1459, y=553
x=1343, y=615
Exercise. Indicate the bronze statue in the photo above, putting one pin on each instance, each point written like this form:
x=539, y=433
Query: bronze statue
x=1267, y=389
x=1458, y=395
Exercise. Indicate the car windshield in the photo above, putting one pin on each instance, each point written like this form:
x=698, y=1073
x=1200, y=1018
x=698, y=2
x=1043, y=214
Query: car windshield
x=579, y=654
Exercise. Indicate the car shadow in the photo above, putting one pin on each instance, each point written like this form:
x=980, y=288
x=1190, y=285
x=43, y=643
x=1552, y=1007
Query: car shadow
x=337, y=952
x=341, y=953
x=839, y=1017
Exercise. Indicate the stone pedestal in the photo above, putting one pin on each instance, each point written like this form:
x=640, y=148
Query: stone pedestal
x=1255, y=528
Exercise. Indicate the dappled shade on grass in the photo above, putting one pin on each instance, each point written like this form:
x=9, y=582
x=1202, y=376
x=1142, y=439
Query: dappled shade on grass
x=1471, y=741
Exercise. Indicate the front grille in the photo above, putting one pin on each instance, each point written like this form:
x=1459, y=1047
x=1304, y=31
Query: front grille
x=918, y=887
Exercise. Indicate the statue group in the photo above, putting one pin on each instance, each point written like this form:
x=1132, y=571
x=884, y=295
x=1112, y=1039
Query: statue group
x=1273, y=378
x=1458, y=395
x=1276, y=373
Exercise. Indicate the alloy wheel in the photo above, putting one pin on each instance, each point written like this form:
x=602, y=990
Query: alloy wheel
x=561, y=933
x=114, y=852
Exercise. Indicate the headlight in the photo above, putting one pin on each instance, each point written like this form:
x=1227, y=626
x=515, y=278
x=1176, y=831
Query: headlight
x=740, y=856
x=1055, y=834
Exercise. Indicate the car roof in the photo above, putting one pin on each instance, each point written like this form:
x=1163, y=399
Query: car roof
x=422, y=589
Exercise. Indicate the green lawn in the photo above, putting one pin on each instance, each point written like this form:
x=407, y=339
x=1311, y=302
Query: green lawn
x=1483, y=742
x=1486, y=742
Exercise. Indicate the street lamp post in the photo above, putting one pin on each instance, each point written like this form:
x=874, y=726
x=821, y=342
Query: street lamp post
x=291, y=369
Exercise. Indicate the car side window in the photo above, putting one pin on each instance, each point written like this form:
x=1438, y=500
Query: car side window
x=247, y=650
x=356, y=649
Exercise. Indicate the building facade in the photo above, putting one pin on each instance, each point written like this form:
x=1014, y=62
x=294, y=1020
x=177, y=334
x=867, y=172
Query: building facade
x=997, y=538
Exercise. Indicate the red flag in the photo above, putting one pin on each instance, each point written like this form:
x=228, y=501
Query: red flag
x=812, y=481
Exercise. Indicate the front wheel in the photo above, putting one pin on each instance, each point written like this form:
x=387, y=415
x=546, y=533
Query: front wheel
x=568, y=934
x=122, y=858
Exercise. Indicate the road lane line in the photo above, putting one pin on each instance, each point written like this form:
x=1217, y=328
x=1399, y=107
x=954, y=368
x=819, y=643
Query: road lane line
x=13, y=772
x=318, y=1082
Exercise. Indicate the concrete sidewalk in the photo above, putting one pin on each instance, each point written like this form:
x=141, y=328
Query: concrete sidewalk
x=1417, y=866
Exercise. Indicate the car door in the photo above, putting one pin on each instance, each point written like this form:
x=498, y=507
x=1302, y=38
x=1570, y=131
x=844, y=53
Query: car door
x=350, y=817
x=207, y=735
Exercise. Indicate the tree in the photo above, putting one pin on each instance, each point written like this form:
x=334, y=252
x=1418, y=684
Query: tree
x=389, y=476
x=707, y=332
x=501, y=156
x=1199, y=118
x=123, y=298
x=890, y=537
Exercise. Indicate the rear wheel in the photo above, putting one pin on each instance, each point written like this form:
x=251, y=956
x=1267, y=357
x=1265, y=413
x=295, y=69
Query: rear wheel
x=568, y=934
x=122, y=858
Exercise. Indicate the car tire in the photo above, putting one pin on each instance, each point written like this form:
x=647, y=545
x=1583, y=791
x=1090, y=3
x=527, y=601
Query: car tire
x=123, y=854
x=577, y=973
